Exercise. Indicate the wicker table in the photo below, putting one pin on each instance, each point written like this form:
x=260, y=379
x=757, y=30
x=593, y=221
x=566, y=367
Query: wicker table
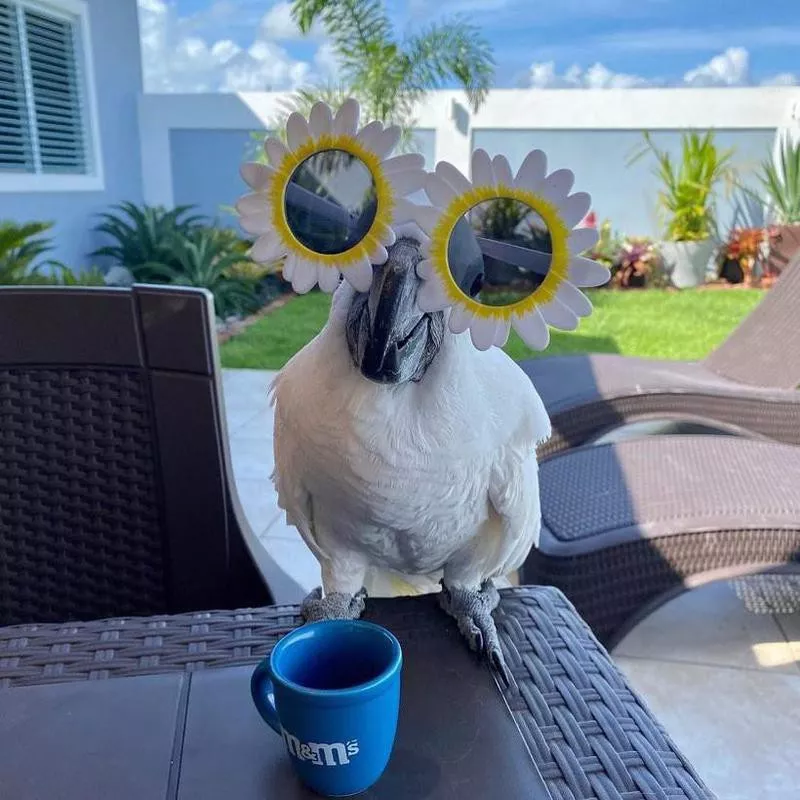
x=179, y=724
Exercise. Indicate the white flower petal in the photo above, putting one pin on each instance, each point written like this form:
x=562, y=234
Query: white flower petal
x=460, y=319
x=267, y=248
x=558, y=185
x=379, y=255
x=582, y=239
x=482, y=331
x=304, y=277
x=482, y=171
x=574, y=299
x=252, y=204
x=531, y=174
x=431, y=296
x=328, y=278
x=532, y=329
x=288, y=267
x=425, y=269
x=385, y=234
x=256, y=176
x=427, y=217
x=502, y=171
x=297, y=132
x=370, y=135
x=359, y=275
x=387, y=141
x=276, y=151
x=403, y=162
x=557, y=315
x=404, y=211
x=502, y=332
x=448, y=173
x=410, y=230
x=585, y=272
x=575, y=208
x=320, y=119
x=439, y=191
x=256, y=224
x=346, y=120
x=405, y=183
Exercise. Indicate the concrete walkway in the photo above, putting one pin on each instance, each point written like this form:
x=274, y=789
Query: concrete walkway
x=725, y=682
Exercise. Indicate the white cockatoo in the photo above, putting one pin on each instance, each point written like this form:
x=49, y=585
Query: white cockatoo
x=399, y=446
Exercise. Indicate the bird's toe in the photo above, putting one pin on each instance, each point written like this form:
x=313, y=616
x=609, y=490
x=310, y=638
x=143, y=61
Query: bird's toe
x=336, y=605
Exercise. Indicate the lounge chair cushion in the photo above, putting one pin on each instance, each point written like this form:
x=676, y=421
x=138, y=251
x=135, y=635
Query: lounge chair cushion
x=600, y=496
x=565, y=382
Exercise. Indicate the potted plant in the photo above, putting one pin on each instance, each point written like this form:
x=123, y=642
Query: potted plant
x=637, y=264
x=741, y=257
x=687, y=198
x=781, y=179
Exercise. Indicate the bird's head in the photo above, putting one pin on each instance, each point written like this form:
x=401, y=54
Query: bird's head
x=390, y=339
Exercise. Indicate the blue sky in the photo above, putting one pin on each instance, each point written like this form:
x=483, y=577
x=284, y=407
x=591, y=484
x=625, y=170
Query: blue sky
x=210, y=45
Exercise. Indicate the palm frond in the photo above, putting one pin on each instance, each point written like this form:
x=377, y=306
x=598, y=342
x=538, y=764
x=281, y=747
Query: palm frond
x=451, y=49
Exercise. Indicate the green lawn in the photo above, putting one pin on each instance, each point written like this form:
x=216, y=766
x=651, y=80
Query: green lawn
x=659, y=324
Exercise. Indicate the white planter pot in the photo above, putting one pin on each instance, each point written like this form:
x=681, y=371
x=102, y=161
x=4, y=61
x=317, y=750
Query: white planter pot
x=686, y=263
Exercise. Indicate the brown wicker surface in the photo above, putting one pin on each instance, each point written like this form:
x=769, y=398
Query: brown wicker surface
x=589, y=734
x=625, y=526
x=748, y=383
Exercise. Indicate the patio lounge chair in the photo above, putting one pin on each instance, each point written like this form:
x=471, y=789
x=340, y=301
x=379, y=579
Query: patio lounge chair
x=627, y=526
x=115, y=482
x=747, y=384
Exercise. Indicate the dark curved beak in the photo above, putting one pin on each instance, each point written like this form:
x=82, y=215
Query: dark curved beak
x=390, y=340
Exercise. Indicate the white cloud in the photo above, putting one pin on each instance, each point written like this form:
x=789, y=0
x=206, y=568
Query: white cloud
x=782, y=79
x=731, y=68
x=177, y=59
x=278, y=24
x=598, y=76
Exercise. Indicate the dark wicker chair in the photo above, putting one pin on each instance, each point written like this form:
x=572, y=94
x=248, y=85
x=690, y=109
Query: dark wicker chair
x=627, y=526
x=747, y=384
x=115, y=481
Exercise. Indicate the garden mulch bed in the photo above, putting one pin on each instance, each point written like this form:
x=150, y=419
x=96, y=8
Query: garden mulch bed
x=235, y=328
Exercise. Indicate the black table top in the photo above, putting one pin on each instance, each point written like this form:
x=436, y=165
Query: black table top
x=197, y=735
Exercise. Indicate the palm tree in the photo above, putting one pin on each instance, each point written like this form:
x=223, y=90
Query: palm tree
x=388, y=76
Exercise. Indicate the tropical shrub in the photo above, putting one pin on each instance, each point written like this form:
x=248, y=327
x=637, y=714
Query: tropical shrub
x=146, y=235
x=689, y=185
x=781, y=181
x=21, y=245
x=203, y=261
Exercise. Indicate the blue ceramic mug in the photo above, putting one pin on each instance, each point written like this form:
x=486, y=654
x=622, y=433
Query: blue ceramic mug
x=332, y=691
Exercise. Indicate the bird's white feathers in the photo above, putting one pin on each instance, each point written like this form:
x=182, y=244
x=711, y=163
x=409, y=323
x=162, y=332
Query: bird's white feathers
x=414, y=478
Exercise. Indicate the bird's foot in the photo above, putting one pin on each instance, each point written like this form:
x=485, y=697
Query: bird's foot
x=472, y=610
x=336, y=605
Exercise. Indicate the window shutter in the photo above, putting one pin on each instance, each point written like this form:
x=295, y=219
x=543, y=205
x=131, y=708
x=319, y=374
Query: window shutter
x=58, y=104
x=16, y=149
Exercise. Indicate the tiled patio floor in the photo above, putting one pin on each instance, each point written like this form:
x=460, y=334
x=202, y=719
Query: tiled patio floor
x=725, y=682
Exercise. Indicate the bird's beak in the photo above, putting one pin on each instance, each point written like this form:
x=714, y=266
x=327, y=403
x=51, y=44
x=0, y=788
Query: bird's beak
x=390, y=339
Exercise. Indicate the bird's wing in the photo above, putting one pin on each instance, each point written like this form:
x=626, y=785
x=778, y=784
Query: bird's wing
x=293, y=497
x=514, y=477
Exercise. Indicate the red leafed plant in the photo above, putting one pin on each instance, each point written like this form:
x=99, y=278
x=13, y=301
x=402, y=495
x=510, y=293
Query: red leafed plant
x=637, y=264
x=746, y=247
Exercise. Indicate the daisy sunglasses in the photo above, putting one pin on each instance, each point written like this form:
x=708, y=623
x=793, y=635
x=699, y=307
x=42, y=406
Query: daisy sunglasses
x=499, y=250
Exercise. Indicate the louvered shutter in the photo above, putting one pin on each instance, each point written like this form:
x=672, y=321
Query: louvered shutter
x=58, y=108
x=42, y=119
x=16, y=151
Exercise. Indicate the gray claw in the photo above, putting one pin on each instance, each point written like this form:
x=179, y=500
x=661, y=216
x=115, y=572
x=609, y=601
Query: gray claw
x=472, y=610
x=336, y=605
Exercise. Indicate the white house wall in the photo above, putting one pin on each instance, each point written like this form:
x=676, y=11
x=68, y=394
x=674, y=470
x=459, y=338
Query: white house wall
x=192, y=144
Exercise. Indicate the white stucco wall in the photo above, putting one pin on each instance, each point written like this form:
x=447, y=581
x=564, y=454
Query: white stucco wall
x=577, y=126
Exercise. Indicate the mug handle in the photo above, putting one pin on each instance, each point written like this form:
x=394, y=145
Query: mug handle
x=263, y=692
